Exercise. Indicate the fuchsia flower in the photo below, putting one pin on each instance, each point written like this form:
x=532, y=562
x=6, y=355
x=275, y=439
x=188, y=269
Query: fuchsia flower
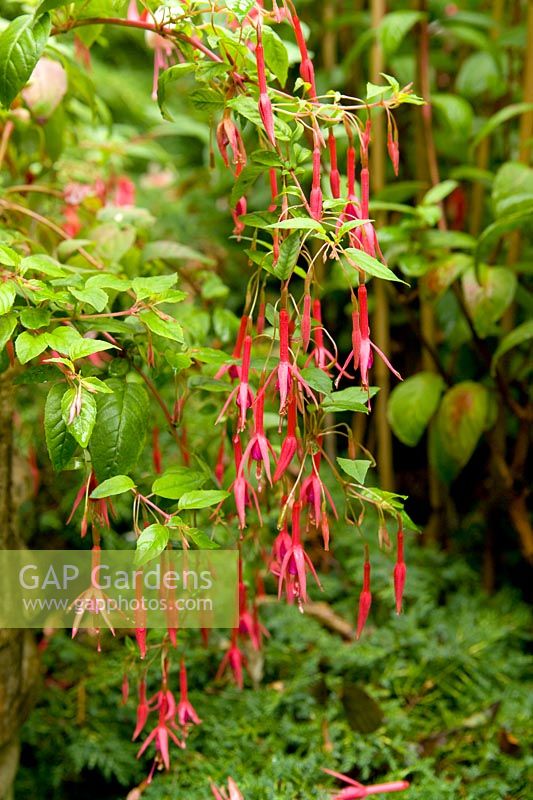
x=265, y=105
x=324, y=359
x=143, y=710
x=314, y=493
x=295, y=563
x=365, y=598
x=185, y=711
x=162, y=731
x=221, y=794
x=162, y=47
x=242, y=393
x=290, y=443
x=305, y=323
x=285, y=371
x=334, y=174
x=307, y=70
x=234, y=370
x=235, y=660
x=249, y=623
x=356, y=790
x=400, y=570
x=228, y=135
x=242, y=488
x=315, y=200
x=258, y=448
x=362, y=346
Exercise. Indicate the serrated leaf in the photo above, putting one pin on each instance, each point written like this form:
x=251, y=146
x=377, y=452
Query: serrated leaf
x=276, y=56
x=371, y=265
x=8, y=292
x=94, y=297
x=82, y=425
x=298, y=223
x=202, y=498
x=61, y=445
x=355, y=468
x=288, y=256
x=317, y=379
x=152, y=287
x=120, y=429
x=240, y=8
x=8, y=256
x=35, y=318
x=8, y=323
x=112, y=486
x=62, y=338
x=412, y=404
x=28, y=346
x=151, y=543
x=176, y=481
x=87, y=347
x=167, y=328
x=201, y=539
x=21, y=45
x=44, y=264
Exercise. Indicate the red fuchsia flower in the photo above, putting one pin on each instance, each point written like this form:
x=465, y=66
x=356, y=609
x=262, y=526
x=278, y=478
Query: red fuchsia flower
x=133, y=12
x=234, y=370
x=242, y=488
x=185, y=712
x=295, y=564
x=260, y=322
x=143, y=710
x=235, y=660
x=285, y=371
x=356, y=790
x=334, y=174
x=221, y=794
x=221, y=460
x=242, y=393
x=124, y=192
x=305, y=324
x=228, y=135
x=161, y=733
x=156, y=450
x=95, y=510
x=400, y=570
x=365, y=598
x=290, y=443
x=280, y=547
x=314, y=493
x=324, y=359
x=249, y=625
x=265, y=106
x=161, y=46
x=273, y=179
x=140, y=616
x=307, y=71
x=258, y=448
x=315, y=200
x=392, y=142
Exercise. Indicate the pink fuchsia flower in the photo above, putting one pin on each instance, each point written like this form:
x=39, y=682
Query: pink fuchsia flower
x=242, y=488
x=265, y=105
x=334, y=174
x=161, y=46
x=161, y=734
x=124, y=192
x=221, y=794
x=305, y=323
x=235, y=660
x=399, y=570
x=185, y=711
x=324, y=359
x=143, y=710
x=228, y=135
x=293, y=570
x=307, y=71
x=242, y=393
x=286, y=372
x=234, y=370
x=290, y=443
x=356, y=790
x=314, y=494
x=315, y=200
x=365, y=598
x=249, y=624
x=258, y=448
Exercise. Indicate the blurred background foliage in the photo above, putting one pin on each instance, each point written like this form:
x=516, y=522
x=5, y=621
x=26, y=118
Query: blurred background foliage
x=439, y=695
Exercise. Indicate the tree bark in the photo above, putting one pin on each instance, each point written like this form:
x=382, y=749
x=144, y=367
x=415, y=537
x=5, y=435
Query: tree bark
x=18, y=655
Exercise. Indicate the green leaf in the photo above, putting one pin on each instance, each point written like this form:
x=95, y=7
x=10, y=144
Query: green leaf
x=28, y=346
x=241, y=8
x=394, y=27
x=151, y=543
x=317, y=379
x=8, y=323
x=8, y=292
x=288, y=256
x=370, y=265
x=120, y=429
x=352, y=399
x=8, y=256
x=82, y=425
x=412, y=404
x=460, y=421
x=61, y=445
x=112, y=486
x=488, y=293
x=523, y=333
x=87, y=347
x=456, y=113
x=112, y=240
x=505, y=224
x=298, y=223
x=176, y=481
x=276, y=56
x=202, y=498
x=96, y=298
x=152, y=287
x=201, y=540
x=21, y=45
x=172, y=251
x=497, y=119
x=44, y=264
x=35, y=318
x=512, y=189
x=63, y=338
x=438, y=192
x=481, y=74
x=166, y=80
x=44, y=373
x=167, y=328
x=355, y=468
